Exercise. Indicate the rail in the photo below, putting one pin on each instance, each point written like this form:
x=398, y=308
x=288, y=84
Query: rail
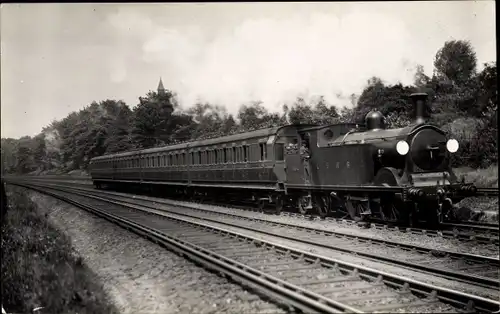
x=487, y=191
x=345, y=240
x=455, y=298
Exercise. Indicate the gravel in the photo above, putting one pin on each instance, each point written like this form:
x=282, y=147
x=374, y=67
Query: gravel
x=417, y=239
x=427, y=278
x=247, y=254
x=484, y=209
x=436, y=243
x=143, y=277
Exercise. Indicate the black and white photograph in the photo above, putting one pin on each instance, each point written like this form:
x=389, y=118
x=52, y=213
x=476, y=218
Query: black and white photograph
x=249, y=157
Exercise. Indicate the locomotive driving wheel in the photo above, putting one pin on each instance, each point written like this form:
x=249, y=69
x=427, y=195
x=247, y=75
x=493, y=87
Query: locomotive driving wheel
x=302, y=203
x=389, y=209
x=260, y=205
x=355, y=209
x=322, y=205
x=278, y=205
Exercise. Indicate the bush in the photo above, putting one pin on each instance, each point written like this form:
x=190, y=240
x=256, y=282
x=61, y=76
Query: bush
x=478, y=140
x=483, y=178
x=40, y=267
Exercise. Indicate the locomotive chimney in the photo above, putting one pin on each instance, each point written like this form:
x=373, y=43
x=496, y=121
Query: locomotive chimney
x=420, y=107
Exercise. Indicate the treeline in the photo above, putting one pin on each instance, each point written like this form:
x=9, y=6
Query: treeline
x=464, y=102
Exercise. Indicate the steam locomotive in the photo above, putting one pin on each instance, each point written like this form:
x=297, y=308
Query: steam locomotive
x=366, y=171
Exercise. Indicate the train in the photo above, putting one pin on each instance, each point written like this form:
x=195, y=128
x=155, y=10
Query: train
x=359, y=171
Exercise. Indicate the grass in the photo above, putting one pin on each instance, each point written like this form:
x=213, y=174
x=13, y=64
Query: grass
x=482, y=178
x=479, y=208
x=40, y=268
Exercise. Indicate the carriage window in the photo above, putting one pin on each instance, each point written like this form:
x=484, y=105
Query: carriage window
x=328, y=134
x=224, y=155
x=170, y=160
x=235, y=159
x=216, y=153
x=262, y=151
x=246, y=150
x=279, y=151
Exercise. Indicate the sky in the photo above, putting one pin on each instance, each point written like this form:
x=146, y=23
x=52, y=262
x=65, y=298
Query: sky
x=58, y=58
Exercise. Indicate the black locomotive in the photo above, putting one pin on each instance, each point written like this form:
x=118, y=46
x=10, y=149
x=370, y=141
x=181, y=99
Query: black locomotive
x=400, y=175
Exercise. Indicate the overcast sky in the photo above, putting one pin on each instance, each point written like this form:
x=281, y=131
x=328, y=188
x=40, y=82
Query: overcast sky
x=58, y=58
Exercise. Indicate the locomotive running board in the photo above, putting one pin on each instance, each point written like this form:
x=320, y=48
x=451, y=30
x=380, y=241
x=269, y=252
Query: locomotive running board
x=348, y=188
x=204, y=185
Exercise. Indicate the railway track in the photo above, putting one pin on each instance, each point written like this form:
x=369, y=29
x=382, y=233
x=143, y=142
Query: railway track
x=299, y=279
x=487, y=191
x=469, y=268
x=482, y=233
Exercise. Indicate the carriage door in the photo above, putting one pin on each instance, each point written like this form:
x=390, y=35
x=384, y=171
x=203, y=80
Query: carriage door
x=293, y=166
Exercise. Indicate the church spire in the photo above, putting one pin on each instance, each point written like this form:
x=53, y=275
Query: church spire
x=161, y=90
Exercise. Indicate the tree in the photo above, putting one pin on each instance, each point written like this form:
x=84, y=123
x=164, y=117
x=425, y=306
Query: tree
x=118, y=123
x=210, y=120
x=420, y=79
x=254, y=116
x=24, y=155
x=40, y=152
x=488, y=90
x=302, y=113
x=151, y=119
x=391, y=99
x=456, y=61
x=8, y=148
